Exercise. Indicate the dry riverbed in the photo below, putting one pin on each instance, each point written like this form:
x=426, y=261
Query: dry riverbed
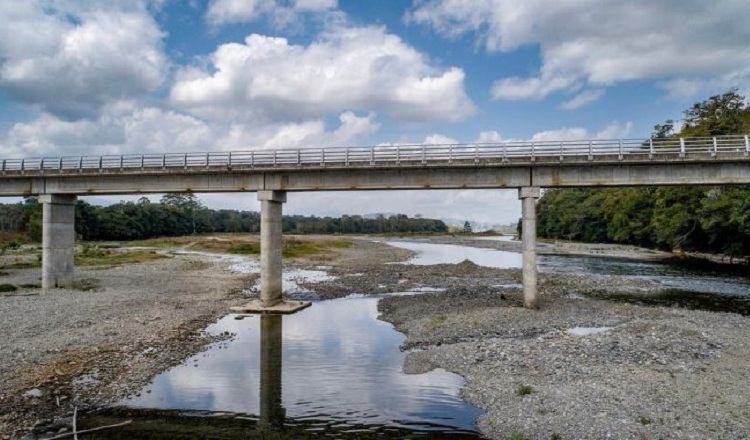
x=650, y=372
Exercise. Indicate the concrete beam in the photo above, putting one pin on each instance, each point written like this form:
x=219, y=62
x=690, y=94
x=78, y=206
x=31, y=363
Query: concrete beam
x=674, y=173
x=58, y=240
x=528, y=196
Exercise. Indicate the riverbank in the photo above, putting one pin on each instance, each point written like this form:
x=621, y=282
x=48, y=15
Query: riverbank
x=655, y=372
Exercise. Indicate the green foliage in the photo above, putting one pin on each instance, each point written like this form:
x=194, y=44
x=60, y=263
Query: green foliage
x=8, y=288
x=467, y=227
x=524, y=390
x=178, y=215
x=703, y=219
x=519, y=436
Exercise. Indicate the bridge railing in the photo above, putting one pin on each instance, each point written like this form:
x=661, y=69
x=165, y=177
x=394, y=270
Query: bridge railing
x=734, y=147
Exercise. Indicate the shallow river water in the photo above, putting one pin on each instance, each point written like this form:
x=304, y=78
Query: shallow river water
x=335, y=370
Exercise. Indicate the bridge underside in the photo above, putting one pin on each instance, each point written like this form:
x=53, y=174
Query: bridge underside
x=392, y=178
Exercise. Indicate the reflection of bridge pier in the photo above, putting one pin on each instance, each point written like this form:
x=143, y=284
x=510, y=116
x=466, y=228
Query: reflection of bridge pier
x=272, y=412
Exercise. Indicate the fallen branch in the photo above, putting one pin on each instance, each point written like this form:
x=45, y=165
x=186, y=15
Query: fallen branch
x=87, y=431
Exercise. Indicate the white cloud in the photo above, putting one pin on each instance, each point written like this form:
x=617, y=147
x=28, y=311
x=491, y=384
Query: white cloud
x=71, y=59
x=438, y=139
x=691, y=48
x=361, y=69
x=582, y=99
x=281, y=12
x=128, y=129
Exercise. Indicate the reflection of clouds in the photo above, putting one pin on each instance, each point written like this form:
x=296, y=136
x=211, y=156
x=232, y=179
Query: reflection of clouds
x=339, y=362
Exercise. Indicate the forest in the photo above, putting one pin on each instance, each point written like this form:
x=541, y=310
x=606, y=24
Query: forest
x=184, y=214
x=712, y=219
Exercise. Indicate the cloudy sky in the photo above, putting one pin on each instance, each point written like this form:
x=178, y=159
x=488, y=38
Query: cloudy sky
x=152, y=76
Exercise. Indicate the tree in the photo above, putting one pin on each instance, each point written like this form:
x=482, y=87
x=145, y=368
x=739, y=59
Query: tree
x=467, y=227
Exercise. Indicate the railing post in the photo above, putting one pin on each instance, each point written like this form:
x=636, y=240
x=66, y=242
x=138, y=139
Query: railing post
x=3, y=166
x=252, y=159
x=682, y=147
x=651, y=148
x=322, y=157
x=100, y=164
x=505, y=152
x=747, y=145
x=80, y=163
x=184, y=160
x=561, y=151
x=23, y=164
x=372, y=156
x=450, y=153
x=229, y=160
x=141, y=162
x=476, y=153
x=424, y=154
x=713, y=153
x=207, y=155
x=274, y=158
x=533, y=151
x=398, y=155
x=591, y=150
x=299, y=158
x=619, y=154
x=346, y=157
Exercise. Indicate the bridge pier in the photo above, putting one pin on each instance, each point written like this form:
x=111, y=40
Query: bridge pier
x=270, y=246
x=271, y=252
x=528, y=196
x=58, y=240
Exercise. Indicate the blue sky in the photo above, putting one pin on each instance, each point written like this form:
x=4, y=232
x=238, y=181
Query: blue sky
x=106, y=77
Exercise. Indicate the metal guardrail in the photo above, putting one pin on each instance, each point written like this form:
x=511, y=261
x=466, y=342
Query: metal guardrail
x=630, y=150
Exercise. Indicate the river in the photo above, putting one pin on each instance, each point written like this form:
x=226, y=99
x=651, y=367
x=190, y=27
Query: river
x=335, y=370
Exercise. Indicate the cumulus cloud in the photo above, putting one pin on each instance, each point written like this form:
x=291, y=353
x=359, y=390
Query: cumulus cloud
x=348, y=68
x=280, y=11
x=71, y=58
x=128, y=129
x=605, y=42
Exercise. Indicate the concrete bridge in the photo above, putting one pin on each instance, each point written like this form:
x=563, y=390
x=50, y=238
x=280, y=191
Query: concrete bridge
x=526, y=166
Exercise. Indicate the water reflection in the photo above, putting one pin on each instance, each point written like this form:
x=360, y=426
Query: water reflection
x=341, y=370
x=272, y=412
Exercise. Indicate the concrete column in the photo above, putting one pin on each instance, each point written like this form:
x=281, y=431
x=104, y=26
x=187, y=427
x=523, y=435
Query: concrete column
x=58, y=240
x=272, y=412
x=528, y=196
x=270, y=246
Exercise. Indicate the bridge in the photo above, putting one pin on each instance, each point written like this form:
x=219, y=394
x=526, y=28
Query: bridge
x=527, y=166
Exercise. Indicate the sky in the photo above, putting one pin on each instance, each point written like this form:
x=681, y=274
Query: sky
x=154, y=76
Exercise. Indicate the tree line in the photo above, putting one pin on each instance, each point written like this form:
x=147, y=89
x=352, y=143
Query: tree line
x=184, y=214
x=714, y=219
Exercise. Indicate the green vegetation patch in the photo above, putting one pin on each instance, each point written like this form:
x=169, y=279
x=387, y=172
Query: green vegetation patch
x=110, y=258
x=519, y=436
x=245, y=249
x=8, y=287
x=295, y=248
x=524, y=390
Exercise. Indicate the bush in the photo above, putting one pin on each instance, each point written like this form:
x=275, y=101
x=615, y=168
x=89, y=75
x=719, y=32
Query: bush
x=8, y=288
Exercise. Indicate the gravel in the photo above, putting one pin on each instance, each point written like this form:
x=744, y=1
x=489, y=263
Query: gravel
x=647, y=372
x=86, y=348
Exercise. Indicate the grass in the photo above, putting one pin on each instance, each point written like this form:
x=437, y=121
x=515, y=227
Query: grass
x=519, y=436
x=524, y=390
x=109, y=258
x=8, y=287
x=438, y=320
x=644, y=420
